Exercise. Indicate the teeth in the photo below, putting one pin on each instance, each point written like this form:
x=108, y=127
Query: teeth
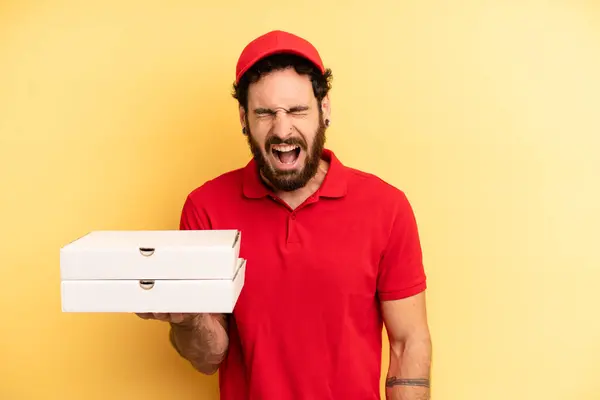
x=285, y=147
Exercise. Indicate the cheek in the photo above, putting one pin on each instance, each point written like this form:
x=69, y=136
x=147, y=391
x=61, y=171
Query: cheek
x=307, y=129
x=258, y=136
x=262, y=127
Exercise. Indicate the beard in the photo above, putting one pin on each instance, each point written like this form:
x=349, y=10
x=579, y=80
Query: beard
x=288, y=181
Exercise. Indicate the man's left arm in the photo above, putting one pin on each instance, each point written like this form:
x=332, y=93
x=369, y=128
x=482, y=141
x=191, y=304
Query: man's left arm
x=401, y=289
x=410, y=348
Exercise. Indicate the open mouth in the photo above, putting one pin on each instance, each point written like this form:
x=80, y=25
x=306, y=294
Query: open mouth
x=286, y=153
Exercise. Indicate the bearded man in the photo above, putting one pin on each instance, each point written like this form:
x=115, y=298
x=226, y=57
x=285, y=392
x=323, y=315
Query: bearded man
x=333, y=253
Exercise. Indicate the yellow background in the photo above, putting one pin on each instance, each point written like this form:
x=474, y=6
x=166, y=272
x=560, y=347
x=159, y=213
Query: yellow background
x=486, y=113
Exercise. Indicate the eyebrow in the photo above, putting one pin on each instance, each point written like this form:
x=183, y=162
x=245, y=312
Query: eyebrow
x=263, y=111
x=299, y=108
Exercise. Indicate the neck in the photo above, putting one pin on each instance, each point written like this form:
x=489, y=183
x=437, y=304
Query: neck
x=299, y=196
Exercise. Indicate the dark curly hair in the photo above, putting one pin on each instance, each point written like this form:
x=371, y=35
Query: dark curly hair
x=321, y=82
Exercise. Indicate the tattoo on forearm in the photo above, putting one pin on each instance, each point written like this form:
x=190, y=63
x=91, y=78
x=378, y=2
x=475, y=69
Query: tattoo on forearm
x=393, y=381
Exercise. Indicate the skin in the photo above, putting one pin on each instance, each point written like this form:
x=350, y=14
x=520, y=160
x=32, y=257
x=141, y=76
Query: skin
x=410, y=348
x=282, y=104
x=199, y=338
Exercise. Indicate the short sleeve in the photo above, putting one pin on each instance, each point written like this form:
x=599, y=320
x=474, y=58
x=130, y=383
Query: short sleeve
x=193, y=216
x=401, y=270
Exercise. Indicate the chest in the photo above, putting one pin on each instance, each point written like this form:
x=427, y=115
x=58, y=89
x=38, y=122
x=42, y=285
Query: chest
x=306, y=259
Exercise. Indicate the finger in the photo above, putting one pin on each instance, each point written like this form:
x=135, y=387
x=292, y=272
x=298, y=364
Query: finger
x=177, y=318
x=162, y=316
x=145, y=315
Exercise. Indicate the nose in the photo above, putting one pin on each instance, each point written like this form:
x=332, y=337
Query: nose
x=282, y=124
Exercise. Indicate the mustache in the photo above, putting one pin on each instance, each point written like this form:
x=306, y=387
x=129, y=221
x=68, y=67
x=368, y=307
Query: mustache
x=291, y=141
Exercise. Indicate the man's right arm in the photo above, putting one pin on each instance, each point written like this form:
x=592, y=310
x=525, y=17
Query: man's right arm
x=202, y=340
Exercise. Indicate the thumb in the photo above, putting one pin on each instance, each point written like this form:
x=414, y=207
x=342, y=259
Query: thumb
x=177, y=318
x=161, y=316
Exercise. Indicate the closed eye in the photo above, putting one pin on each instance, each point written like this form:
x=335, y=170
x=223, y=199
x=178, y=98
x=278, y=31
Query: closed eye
x=298, y=110
x=267, y=112
x=261, y=112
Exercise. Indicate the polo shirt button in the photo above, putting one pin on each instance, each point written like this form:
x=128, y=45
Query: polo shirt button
x=293, y=216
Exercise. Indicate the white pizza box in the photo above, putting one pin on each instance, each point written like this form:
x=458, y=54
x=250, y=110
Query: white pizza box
x=174, y=254
x=149, y=295
x=152, y=271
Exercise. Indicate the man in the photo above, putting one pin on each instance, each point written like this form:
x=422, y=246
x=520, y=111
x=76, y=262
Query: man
x=333, y=253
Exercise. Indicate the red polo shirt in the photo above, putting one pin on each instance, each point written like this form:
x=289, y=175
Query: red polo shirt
x=307, y=324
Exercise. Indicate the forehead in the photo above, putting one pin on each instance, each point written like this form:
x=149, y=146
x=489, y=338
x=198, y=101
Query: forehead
x=284, y=88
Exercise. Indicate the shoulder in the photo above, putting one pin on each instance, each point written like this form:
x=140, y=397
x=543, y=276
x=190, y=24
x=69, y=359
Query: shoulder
x=204, y=203
x=225, y=186
x=374, y=189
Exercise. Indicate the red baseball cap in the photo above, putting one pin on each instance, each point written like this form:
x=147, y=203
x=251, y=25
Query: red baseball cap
x=272, y=43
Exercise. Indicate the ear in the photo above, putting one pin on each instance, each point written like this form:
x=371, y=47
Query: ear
x=326, y=108
x=242, y=116
x=243, y=120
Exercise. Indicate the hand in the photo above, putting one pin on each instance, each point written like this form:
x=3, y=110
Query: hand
x=175, y=318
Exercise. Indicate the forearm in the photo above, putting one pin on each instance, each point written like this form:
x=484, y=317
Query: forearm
x=203, y=342
x=409, y=372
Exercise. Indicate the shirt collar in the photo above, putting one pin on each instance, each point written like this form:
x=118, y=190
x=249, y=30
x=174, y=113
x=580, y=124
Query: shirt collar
x=334, y=185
